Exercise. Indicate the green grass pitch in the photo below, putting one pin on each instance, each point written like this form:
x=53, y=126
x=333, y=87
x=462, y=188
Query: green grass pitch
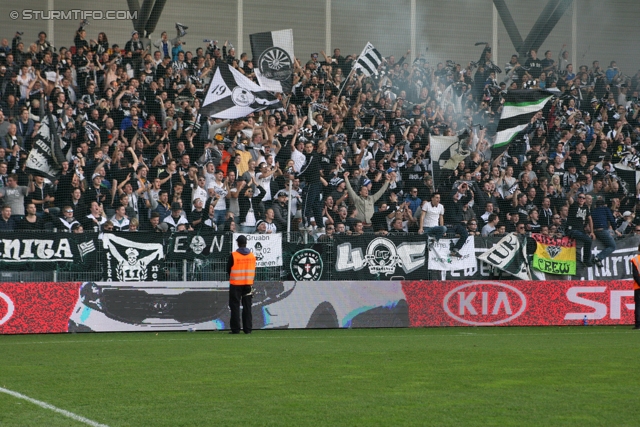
x=582, y=376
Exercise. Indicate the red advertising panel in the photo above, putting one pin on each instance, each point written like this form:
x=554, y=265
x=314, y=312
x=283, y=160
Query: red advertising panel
x=33, y=308
x=519, y=303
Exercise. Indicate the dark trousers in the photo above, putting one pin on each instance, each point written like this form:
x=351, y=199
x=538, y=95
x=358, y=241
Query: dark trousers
x=586, y=243
x=636, y=300
x=462, y=232
x=312, y=206
x=238, y=293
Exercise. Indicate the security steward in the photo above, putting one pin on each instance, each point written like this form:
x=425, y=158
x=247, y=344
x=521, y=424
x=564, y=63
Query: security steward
x=242, y=271
x=635, y=268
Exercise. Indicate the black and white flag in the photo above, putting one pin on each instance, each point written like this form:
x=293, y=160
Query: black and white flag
x=231, y=95
x=518, y=109
x=369, y=60
x=132, y=260
x=46, y=156
x=273, y=51
x=509, y=255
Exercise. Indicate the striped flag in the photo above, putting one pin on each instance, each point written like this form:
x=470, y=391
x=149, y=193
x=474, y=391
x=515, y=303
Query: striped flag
x=369, y=60
x=231, y=95
x=273, y=59
x=518, y=109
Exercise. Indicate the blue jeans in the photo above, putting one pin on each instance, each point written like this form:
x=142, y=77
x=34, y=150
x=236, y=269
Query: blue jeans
x=579, y=236
x=435, y=232
x=609, y=244
x=219, y=216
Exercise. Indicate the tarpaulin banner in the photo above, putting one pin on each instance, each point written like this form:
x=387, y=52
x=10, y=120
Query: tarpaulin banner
x=44, y=250
x=199, y=245
x=519, y=303
x=440, y=258
x=380, y=258
x=555, y=255
x=266, y=247
x=132, y=257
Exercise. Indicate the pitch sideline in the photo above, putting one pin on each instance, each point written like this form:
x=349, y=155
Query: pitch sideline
x=46, y=405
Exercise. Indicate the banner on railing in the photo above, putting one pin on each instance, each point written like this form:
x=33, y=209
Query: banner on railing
x=44, y=250
x=381, y=258
x=266, y=247
x=198, y=245
x=440, y=255
x=132, y=257
x=555, y=255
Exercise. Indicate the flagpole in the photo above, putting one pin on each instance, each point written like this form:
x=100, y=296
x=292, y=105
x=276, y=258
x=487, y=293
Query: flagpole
x=346, y=82
x=289, y=211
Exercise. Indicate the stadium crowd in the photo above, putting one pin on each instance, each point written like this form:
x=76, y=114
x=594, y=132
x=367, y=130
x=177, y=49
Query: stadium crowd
x=356, y=148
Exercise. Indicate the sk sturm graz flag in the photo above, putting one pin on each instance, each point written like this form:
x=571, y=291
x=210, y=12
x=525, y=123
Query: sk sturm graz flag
x=46, y=157
x=555, y=255
x=510, y=255
x=369, y=60
x=231, y=95
x=273, y=55
x=518, y=109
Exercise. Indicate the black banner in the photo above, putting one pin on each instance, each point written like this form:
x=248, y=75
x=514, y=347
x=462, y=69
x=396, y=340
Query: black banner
x=45, y=250
x=389, y=257
x=132, y=257
x=199, y=245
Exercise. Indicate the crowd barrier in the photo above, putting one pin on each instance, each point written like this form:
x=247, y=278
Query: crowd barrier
x=47, y=307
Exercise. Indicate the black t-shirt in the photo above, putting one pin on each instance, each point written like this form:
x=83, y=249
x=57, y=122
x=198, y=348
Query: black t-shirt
x=578, y=216
x=535, y=67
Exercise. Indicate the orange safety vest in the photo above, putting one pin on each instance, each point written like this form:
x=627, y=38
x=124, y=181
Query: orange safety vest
x=243, y=270
x=636, y=261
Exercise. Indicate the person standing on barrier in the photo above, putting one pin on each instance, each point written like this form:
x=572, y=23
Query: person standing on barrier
x=579, y=216
x=603, y=226
x=635, y=269
x=241, y=267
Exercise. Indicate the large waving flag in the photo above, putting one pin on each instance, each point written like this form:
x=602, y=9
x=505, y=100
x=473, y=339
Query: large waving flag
x=231, y=95
x=46, y=156
x=273, y=52
x=518, y=109
x=369, y=60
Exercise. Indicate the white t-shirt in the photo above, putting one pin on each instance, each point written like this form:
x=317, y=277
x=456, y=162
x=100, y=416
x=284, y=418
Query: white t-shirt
x=432, y=214
x=221, y=192
x=266, y=184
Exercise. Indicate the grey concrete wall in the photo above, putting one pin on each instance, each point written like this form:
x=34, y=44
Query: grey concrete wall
x=607, y=30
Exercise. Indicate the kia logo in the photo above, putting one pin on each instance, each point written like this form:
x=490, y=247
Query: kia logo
x=484, y=303
x=10, y=308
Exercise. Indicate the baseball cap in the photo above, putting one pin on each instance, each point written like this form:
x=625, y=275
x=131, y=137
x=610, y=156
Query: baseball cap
x=96, y=175
x=627, y=213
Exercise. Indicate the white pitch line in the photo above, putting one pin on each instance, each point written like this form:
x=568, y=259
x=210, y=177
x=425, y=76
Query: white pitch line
x=46, y=405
